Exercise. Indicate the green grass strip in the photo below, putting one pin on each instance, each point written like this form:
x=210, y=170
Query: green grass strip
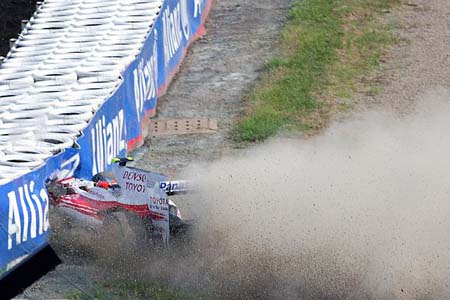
x=326, y=44
x=126, y=289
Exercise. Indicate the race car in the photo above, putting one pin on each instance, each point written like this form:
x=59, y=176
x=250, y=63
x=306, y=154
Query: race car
x=133, y=200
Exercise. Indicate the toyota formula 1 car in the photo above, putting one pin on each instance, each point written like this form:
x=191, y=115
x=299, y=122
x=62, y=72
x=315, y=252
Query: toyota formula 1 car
x=135, y=200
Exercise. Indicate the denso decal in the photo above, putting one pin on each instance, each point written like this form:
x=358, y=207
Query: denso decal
x=135, y=181
x=108, y=140
x=130, y=175
x=146, y=79
x=175, y=27
x=28, y=214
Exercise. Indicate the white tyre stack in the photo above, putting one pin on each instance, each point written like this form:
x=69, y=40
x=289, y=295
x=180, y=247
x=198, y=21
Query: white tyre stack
x=67, y=61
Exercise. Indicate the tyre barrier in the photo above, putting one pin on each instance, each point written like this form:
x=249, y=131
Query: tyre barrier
x=76, y=89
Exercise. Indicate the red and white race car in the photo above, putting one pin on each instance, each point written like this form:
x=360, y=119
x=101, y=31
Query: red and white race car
x=134, y=199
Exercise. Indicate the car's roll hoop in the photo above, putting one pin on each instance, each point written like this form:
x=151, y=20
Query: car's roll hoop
x=122, y=161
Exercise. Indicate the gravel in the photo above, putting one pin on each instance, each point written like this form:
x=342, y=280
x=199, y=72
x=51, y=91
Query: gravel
x=420, y=64
x=219, y=69
x=224, y=65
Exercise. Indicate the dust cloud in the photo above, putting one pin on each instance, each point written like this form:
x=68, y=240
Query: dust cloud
x=360, y=212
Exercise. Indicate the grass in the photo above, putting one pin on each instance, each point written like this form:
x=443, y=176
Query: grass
x=137, y=290
x=326, y=48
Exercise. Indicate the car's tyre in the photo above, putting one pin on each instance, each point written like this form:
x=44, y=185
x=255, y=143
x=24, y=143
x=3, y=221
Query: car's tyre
x=126, y=231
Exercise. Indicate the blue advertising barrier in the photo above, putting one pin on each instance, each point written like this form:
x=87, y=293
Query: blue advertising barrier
x=115, y=129
x=24, y=220
x=118, y=126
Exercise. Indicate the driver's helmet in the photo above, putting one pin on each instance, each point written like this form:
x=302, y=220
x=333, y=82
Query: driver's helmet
x=102, y=184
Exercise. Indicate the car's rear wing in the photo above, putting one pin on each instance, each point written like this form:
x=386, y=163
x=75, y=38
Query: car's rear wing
x=175, y=186
x=170, y=187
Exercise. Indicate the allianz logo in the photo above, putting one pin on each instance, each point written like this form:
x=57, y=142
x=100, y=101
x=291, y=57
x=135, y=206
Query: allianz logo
x=198, y=4
x=108, y=141
x=28, y=214
x=146, y=79
x=175, y=26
